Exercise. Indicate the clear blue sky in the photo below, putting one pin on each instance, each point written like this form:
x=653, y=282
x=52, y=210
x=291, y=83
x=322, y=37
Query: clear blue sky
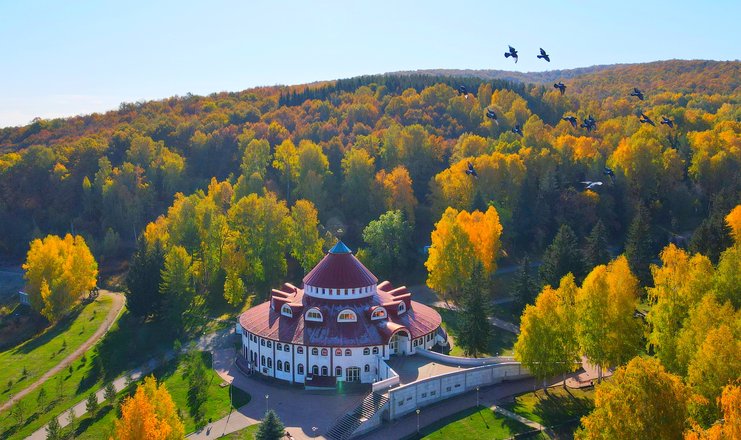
x=60, y=58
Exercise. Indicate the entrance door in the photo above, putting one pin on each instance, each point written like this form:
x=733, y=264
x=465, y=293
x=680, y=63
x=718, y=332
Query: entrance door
x=399, y=343
x=352, y=374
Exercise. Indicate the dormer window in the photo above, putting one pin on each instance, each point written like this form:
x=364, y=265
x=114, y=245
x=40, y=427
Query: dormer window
x=347, y=315
x=402, y=307
x=314, y=315
x=378, y=313
x=285, y=310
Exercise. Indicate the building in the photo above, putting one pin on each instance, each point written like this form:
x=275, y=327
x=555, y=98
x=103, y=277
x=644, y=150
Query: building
x=339, y=327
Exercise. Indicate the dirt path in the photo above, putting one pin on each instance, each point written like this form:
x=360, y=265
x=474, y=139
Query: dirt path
x=117, y=306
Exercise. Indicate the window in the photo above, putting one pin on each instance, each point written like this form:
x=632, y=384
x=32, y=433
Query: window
x=402, y=307
x=325, y=352
x=313, y=314
x=432, y=393
x=347, y=315
x=338, y=371
x=366, y=368
x=280, y=365
x=375, y=350
x=287, y=367
x=424, y=395
x=338, y=352
x=285, y=310
x=348, y=352
x=315, y=370
x=270, y=362
x=279, y=346
x=301, y=369
x=270, y=344
x=262, y=360
x=378, y=313
x=262, y=342
x=325, y=371
x=300, y=350
x=366, y=351
x=315, y=351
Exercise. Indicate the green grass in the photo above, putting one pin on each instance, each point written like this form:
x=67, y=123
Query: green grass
x=40, y=354
x=247, y=433
x=556, y=407
x=475, y=423
x=217, y=403
x=501, y=342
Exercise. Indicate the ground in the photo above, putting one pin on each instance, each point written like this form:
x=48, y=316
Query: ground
x=475, y=422
x=557, y=407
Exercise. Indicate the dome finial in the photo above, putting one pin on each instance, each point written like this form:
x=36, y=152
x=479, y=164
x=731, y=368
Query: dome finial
x=340, y=248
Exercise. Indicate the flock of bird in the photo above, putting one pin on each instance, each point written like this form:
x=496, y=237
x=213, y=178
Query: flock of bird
x=588, y=123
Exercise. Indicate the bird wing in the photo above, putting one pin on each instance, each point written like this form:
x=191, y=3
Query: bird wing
x=542, y=52
x=511, y=49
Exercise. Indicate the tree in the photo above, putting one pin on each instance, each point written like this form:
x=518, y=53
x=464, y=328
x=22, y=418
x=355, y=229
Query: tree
x=177, y=288
x=110, y=393
x=596, y=251
x=607, y=332
x=306, y=245
x=271, y=428
x=144, y=278
x=389, y=244
x=358, y=193
x=41, y=399
x=729, y=427
x=91, y=404
x=149, y=414
x=195, y=371
x=642, y=400
x=475, y=332
x=313, y=169
x=18, y=411
x=562, y=257
x=711, y=237
x=727, y=279
x=397, y=191
x=54, y=429
x=733, y=220
x=639, y=245
x=58, y=271
x=524, y=286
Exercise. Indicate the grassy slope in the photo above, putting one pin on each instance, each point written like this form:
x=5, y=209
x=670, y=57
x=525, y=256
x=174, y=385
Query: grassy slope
x=501, y=343
x=46, y=350
x=247, y=433
x=477, y=422
x=557, y=407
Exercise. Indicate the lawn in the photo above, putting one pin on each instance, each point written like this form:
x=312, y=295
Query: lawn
x=217, y=404
x=476, y=422
x=247, y=433
x=557, y=407
x=40, y=354
x=501, y=342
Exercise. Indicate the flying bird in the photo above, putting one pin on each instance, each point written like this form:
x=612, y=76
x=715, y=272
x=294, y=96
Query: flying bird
x=571, y=120
x=512, y=53
x=517, y=130
x=637, y=93
x=667, y=121
x=491, y=115
x=471, y=171
x=544, y=55
x=643, y=119
x=463, y=91
x=590, y=124
x=609, y=172
x=560, y=86
x=589, y=184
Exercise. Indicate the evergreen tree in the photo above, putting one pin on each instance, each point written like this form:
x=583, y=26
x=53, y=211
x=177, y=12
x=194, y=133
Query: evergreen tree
x=596, y=252
x=712, y=237
x=562, y=257
x=271, y=428
x=110, y=393
x=475, y=331
x=389, y=243
x=91, y=404
x=54, y=430
x=142, y=282
x=524, y=287
x=639, y=246
x=195, y=370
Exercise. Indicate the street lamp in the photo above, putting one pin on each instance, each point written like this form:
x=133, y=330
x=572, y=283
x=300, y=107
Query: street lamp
x=477, y=396
x=266, y=403
x=314, y=429
x=417, y=422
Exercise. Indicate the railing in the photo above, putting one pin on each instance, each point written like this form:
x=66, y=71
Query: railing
x=391, y=377
x=463, y=361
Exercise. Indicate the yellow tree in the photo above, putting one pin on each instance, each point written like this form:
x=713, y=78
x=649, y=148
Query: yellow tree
x=397, y=191
x=57, y=271
x=641, y=401
x=306, y=246
x=727, y=428
x=150, y=414
x=679, y=284
x=734, y=222
x=727, y=279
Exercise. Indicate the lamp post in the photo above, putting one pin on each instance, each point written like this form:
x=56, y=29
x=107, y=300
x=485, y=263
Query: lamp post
x=477, y=396
x=266, y=403
x=417, y=422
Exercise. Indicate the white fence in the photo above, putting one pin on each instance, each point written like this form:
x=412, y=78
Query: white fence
x=391, y=378
x=463, y=361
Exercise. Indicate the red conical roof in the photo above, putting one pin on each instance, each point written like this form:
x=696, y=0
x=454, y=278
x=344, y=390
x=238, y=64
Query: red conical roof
x=339, y=269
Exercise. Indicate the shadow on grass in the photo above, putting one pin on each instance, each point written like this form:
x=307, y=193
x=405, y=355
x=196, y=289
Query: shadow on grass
x=88, y=421
x=555, y=409
x=476, y=415
x=501, y=340
x=51, y=332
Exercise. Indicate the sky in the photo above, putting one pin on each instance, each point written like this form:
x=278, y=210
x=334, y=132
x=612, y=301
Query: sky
x=63, y=58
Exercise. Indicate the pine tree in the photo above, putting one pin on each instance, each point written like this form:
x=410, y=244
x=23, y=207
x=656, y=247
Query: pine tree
x=91, y=404
x=53, y=429
x=142, y=282
x=596, y=251
x=524, y=287
x=271, y=428
x=110, y=393
x=41, y=399
x=639, y=246
x=475, y=331
x=562, y=257
x=712, y=237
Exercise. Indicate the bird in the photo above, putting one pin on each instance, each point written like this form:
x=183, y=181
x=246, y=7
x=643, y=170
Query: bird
x=463, y=91
x=643, y=119
x=544, y=55
x=589, y=184
x=589, y=123
x=512, y=53
x=471, y=171
x=667, y=121
x=517, y=129
x=491, y=115
x=637, y=93
x=571, y=120
x=609, y=172
x=560, y=86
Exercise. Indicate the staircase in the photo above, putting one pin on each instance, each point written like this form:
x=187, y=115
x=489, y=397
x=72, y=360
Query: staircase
x=346, y=425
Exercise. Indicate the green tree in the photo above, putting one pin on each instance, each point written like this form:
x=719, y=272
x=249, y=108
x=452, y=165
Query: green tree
x=711, y=237
x=475, y=332
x=524, y=285
x=41, y=399
x=271, y=428
x=195, y=372
x=596, y=252
x=306, y=245
x=562, y=257
x=177, y=286
x=54, y=430
x=110, y=393
x=389, y=244
x=358, y=192
x=144, y=278
x=639, y=245
x=727, y=278
x=91, y=404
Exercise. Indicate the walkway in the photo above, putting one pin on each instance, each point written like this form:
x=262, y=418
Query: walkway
x=519, y=418
x=118, y=301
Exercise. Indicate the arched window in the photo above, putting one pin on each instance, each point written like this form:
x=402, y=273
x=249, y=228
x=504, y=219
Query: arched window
x=300, y=350
x=366, y=351
x=325, y=352
x=301, y=369
x=338, y=352
x=315, y=370
x=285, y=310
x=313, y=314
x=280, y=365
x=287, y=367
x=315, y=351
x=270, y=362
x=262, y=360
x=378, y=313
x=348, y=352
x=347, y=315
x=366, y=368
x=402, y=307
x=270, y=344
x=325, y=371
x=279, y=346
x=338, y=371
x=375, y=350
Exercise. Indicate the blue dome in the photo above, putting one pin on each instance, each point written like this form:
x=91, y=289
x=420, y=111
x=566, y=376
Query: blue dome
x=340, y=248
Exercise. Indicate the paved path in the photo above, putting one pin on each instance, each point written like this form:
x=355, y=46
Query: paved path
x=519, y=418
x=113, y=314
